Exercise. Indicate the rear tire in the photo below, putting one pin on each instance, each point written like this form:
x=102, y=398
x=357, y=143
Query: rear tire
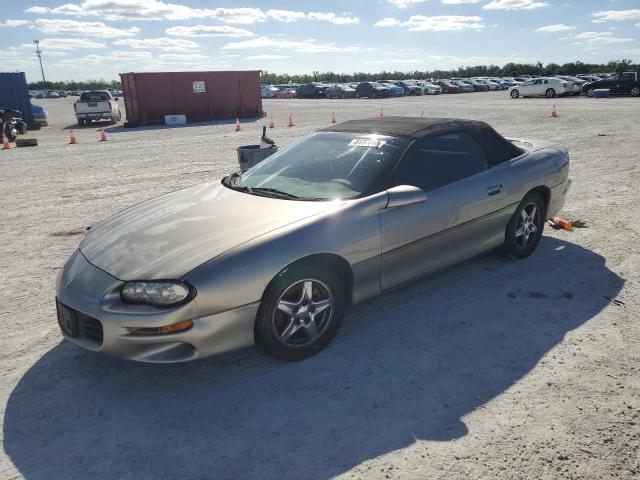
x=635, y=92
x=525, y=228
x=300, y=311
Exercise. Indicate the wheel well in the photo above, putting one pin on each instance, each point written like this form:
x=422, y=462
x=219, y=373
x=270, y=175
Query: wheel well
x=544, y=192
x=335, y=262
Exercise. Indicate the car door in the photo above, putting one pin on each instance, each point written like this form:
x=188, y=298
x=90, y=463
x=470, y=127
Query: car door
x=627, y=80
x=463, y=215
x=612, y=82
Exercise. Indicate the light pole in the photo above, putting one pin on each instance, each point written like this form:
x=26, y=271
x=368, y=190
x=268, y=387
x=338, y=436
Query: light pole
x=39, y=55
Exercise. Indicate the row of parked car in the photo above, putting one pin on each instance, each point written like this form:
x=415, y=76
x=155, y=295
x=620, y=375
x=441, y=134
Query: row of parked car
x=524, y=85
x=63, y=93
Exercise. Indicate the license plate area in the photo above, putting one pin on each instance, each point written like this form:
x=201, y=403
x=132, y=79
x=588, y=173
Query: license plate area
x=92, y=104
x=67, y=319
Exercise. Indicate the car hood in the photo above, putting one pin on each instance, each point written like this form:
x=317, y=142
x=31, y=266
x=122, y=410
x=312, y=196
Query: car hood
x=167, y=237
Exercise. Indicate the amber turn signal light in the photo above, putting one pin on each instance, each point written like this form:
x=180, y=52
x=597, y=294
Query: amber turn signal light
x=175, y=328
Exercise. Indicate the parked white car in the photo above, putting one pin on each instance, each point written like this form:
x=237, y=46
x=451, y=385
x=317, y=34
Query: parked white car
x=268, y=91
x=547, y=87
x=429, y=88
x=97, y=105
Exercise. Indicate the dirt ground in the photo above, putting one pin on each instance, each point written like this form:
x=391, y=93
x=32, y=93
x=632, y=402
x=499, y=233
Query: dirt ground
x=493, y=369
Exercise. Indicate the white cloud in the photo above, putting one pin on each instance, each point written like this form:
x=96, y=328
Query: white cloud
x=458, y=2
x=238, y=15
x=208, y=31
x=91, y=29
x=267, y=57
x=438, y=23
x=65, y=44
x=387, y=22
x=332, y=18
x=405, y=3
x=617, y=15
x=164, y=44
x=184, y=57
x=514, y=5
x=151, y=10
x=286, y=16
x=14, y=23
x=303, y=46
x=600, y=37
x=556, y=27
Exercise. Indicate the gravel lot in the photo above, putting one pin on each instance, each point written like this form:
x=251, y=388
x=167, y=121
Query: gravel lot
x=493, y=369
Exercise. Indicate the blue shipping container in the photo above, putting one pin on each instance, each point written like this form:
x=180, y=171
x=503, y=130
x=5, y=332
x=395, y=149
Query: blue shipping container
x=14, y=94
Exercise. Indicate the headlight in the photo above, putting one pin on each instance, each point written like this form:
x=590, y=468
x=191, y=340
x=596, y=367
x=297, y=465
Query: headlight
x=159, y=294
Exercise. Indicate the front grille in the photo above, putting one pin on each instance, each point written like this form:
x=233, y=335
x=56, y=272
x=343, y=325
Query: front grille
x=89, y=328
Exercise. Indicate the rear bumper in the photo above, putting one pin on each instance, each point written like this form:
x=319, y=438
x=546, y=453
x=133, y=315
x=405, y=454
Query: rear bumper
x=93, y=294
x=557, y=198
x=94, y=116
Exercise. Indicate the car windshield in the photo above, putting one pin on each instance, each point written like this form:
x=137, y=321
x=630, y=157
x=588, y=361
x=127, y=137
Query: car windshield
x=324, y=166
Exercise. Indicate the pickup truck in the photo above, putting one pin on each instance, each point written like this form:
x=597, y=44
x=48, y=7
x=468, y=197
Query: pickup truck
x=621, y=83
x=97, y=105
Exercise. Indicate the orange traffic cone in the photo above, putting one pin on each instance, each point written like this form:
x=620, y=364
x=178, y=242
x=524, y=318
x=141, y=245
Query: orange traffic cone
x=72, y=138
x=103, y=136
x=290, y=124
x=554, y=113
x=237, y=124
x=272, y=124
x=5, y=142
x=381, y=113
x=333, y=118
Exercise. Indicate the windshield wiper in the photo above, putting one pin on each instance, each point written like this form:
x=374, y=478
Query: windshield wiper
x=272, y=192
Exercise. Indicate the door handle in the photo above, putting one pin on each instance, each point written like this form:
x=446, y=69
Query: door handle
x=496, y=189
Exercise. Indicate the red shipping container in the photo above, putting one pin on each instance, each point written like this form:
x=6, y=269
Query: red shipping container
x=148, y=97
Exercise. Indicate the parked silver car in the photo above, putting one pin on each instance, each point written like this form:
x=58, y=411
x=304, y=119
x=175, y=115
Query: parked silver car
x=275, y=255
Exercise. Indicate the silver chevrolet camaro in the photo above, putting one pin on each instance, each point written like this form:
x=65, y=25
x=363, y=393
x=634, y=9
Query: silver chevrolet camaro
x=274, y=255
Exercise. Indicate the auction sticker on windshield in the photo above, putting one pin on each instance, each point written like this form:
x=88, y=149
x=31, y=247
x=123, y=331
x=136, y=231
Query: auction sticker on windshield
x=366, y=142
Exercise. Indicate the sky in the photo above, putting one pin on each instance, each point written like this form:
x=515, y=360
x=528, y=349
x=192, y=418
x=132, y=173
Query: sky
x=98, y=39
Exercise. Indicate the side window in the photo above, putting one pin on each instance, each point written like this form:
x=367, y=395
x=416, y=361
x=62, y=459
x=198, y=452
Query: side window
x=628, y=76
x=545, y=82
x=440, y=160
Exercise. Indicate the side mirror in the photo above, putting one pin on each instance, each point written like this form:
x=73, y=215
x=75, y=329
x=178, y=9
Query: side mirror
x=116, y=99
x=405, y=195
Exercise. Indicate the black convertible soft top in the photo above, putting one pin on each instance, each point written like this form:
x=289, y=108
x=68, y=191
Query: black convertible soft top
x=497, y=148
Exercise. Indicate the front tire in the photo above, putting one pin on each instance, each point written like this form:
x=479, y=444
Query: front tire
x=525, y=228
x=515, y=93
x=301, y=311
x=550, y=93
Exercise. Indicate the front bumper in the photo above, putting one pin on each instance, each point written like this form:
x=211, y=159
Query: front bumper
x=94, y=294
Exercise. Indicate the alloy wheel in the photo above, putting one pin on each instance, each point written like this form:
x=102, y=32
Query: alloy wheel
x=635, y=91
x=527, y=226
x=303, y=312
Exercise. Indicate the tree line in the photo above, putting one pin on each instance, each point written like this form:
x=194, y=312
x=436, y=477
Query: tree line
x=508, y=70
x=71, y=85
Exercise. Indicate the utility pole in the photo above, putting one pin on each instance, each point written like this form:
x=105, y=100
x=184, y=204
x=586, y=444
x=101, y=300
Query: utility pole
x=39, y=55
